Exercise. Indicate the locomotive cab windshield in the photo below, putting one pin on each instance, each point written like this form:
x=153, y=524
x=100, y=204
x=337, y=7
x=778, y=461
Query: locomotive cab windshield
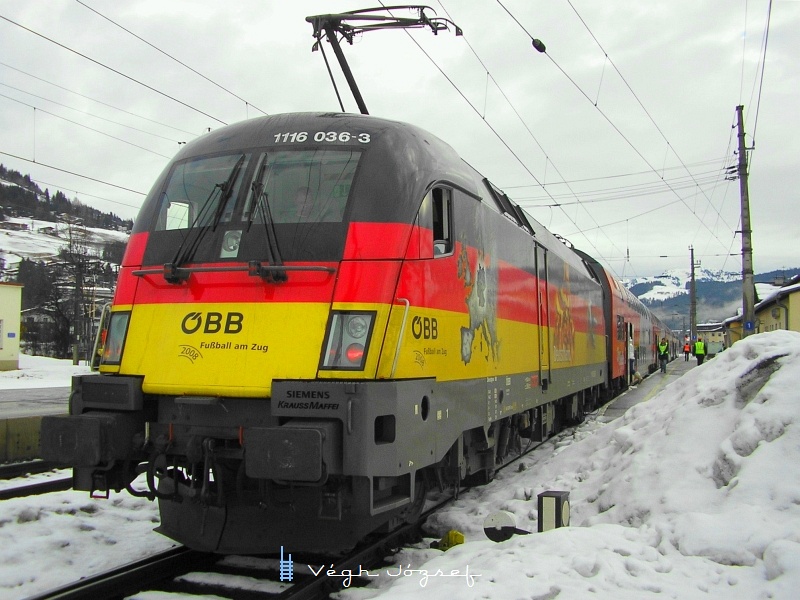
x=227, y=207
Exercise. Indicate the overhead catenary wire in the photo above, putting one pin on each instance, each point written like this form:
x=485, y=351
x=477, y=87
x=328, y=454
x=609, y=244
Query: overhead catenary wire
x=86, y=112
x=63, y=188
x=41, y=164
x=613, y=126
x=763, y=62
x=614, y=176
x=491, y=128
x=183, y=64
x=630, y=191
x=84, y=126
x=693, y=199
x=630, y=89
x=122, y=110
x=112, y=69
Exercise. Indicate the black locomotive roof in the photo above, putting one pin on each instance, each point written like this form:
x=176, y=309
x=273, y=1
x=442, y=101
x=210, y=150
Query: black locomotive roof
x=399, y=161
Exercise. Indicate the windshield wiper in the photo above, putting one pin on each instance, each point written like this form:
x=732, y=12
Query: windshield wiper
x=275, y=272
x=185, y=252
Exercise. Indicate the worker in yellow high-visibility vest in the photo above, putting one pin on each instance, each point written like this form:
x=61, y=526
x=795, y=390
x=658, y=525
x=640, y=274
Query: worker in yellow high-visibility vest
x=699, y=351
x=663, y=354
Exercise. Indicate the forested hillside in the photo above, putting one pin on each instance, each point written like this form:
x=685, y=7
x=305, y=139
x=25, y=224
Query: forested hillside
x=24, y=198
x=67, y=270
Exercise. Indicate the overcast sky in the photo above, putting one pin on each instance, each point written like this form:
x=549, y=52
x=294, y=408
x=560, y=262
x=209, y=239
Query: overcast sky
x=644, y=156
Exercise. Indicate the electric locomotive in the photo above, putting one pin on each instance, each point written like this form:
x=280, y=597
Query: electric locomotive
x=320, y=318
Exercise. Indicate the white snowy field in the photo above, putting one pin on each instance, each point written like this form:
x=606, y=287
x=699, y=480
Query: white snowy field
x=41, y=372
x=42, y=240
x=692, y=494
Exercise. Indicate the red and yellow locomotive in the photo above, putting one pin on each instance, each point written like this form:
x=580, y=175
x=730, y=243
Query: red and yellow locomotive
x=318, y=318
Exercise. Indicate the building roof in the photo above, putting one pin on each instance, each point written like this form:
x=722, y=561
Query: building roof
x=790, y=288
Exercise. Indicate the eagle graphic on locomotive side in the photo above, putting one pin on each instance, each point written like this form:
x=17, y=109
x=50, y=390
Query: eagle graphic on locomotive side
x=564, y=339
x=480, y=286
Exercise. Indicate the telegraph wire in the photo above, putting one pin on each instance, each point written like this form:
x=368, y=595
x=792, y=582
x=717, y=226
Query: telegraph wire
x=196, y=72
x=617, y=176
x=96, y=100
x=97, y=62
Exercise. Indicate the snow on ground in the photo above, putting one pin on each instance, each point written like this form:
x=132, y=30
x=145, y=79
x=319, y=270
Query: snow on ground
x=40, y=372
x=692, y=494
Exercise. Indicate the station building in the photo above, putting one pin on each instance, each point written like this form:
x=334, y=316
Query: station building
x=10, y=306
x=713, y=335
x=779, y=310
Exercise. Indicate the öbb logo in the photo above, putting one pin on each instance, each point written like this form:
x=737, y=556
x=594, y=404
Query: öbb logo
x=212, y=322
x=425, y=327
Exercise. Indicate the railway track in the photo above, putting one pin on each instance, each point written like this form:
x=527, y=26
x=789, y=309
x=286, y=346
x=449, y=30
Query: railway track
x=132, y=578
x=53, y=484
x=33, y=467
x=188, y=572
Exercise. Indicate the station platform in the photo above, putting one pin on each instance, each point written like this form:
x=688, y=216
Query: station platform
x=21, y=412
x=648, y=388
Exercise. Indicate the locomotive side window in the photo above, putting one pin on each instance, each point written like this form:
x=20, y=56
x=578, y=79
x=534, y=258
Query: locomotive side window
x=442, y=221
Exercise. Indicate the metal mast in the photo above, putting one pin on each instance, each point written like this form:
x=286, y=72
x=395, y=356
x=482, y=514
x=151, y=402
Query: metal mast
x=692, y=299
x=748, y=285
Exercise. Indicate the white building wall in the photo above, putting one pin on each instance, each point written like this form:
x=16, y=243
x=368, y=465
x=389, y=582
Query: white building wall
x=10, y=306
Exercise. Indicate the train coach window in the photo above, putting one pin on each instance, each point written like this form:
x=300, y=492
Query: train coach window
x=442, y=221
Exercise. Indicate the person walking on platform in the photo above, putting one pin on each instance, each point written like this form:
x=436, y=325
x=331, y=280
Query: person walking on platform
x=699, y=351
x=663, y=354
x=686, y=350
x=631, y=360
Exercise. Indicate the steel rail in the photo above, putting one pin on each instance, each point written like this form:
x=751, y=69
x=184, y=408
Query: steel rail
x=132, y=578
x=9, y=471
x=59, y=484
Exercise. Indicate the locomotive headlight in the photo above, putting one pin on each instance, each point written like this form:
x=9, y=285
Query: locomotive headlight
x=115, y=338
x=347, y=340
x=357, y=326
x=230, y=243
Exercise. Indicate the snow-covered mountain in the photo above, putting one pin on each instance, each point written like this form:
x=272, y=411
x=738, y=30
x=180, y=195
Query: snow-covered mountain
x=42, y=240
x=674, y=283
